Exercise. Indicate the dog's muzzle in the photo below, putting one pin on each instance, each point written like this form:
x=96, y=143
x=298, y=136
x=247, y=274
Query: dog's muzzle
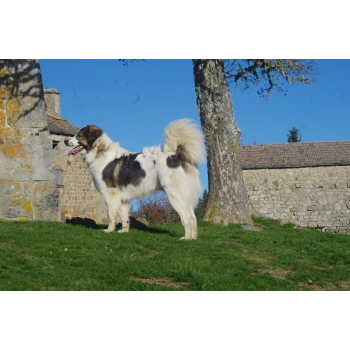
x=75, y=150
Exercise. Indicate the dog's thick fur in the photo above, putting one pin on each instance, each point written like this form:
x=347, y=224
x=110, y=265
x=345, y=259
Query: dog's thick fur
x=120, y=175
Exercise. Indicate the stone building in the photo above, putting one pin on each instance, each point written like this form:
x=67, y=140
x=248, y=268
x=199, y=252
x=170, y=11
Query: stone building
x=78, y=196
x=306, y=183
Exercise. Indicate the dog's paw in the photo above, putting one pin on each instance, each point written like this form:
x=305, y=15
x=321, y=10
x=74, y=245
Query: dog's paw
x=107, y=230
x=188, y=239
x=123, y=231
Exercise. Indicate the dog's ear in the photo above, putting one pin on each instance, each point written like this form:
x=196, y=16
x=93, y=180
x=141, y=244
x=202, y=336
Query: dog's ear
x=94, y=133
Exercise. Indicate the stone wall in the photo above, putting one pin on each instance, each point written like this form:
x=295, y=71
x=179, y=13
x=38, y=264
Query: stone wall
x=27, y=178
x=317, y=197
x=79, y=198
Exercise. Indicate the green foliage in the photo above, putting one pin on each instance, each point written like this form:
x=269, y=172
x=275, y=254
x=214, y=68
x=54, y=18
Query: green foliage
x=294, y=135
x=57, y=256
x=270, y=73
x=202, y=204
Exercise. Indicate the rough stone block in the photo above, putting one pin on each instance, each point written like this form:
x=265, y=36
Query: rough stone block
x=46, y=204
x=14, y=202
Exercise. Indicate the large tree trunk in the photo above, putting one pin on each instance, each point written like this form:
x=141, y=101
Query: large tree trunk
x=228, y=200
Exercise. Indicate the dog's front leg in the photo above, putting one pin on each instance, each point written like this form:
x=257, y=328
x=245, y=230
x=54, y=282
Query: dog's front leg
x=113, y=207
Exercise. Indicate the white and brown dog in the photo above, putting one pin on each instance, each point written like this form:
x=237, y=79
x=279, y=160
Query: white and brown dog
x=120, y=175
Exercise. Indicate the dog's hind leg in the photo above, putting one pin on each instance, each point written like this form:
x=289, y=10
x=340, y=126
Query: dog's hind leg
x=182, y=209
x=124, y=216
x=194, y=224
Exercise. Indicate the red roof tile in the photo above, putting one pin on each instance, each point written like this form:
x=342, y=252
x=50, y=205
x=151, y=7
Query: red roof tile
x=295, y=155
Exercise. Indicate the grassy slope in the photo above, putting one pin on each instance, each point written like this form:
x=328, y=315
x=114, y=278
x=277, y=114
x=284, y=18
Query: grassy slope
x=55, y=256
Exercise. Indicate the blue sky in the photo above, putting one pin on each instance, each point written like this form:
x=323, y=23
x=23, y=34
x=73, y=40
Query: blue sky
x=133, y=104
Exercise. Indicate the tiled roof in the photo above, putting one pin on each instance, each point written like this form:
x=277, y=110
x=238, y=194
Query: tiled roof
x=60, y=126
x=295, y=155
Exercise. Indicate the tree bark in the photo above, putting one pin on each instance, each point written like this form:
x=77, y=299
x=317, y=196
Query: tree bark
x=228, y=200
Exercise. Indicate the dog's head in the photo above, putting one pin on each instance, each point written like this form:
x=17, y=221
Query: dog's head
x=84, y=139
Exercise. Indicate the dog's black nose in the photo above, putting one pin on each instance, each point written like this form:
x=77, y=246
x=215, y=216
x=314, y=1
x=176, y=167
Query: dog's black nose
x=66, y=142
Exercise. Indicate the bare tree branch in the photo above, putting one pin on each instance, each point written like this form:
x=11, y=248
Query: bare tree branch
x=271, y=73
x=126, y=62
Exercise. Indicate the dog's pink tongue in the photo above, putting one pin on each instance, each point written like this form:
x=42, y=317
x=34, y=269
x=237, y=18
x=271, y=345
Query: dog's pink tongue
x=75, y=150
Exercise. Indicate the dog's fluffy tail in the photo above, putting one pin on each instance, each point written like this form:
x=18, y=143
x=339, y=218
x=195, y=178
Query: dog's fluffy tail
x=184, y=136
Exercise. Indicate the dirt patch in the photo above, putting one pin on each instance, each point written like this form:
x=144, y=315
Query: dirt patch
x=344, y=285
x=277, y=272
x=165, y=281
x=251, y=228
x=30, y=257
x=238, y=244
x=319, y=268
x=5, y=245
x=253, y=257
x=246, y=254
x=145, y=255
x=317, y=287
x=226, y=243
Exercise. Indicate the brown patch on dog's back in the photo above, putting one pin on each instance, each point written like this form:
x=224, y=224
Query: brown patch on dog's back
x=123, y=171
x=110, y=173
x=180, y=158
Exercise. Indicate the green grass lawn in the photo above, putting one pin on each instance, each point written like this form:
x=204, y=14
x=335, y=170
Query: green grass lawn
x=58, y=256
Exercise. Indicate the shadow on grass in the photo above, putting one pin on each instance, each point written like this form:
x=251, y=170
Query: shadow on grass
x=156, y=231
x=85, y=222
x=134, y=224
